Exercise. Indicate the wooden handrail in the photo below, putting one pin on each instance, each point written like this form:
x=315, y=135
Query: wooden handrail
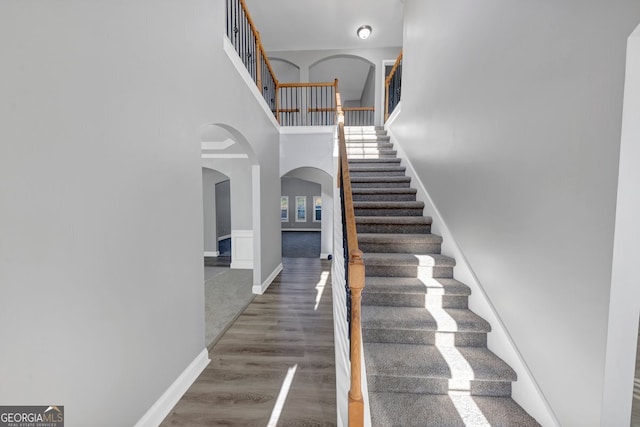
x=357, y=108
x=387, y=82
x=260, y=52
x=320, y=84
x=356, y=280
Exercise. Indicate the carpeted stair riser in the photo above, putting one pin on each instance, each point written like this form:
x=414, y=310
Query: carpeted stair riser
x=461, y=339
x=408, y=271
x=396, y=299
x=366, y=138
x=376, y=171
x=384, y=194
x=399, y=224
x=392, y=384
x=392, y=409
x=407, y=368
x=412, y=325
x=380, y=182
x=406, y=208
x=399, y=243
x=369, y=145
x=374, y=162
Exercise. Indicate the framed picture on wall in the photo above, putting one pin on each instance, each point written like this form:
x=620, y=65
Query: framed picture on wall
x=301, y=208
x=284, y=209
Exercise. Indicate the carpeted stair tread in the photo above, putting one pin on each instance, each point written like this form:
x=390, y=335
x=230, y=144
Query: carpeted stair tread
x=412, y=285
x=384, y=161
x=376, y=169
x=380, y=181
x=385, y=204
x=384, y=190
x=425, y=260
x=390, y=238
x=393, y=220
x=424, y=410
x=351, y=137
x=423, y=243
x=422, y=319
x=427, y=361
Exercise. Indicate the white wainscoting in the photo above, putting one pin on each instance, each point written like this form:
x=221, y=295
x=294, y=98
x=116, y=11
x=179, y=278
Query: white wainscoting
x=242, y=249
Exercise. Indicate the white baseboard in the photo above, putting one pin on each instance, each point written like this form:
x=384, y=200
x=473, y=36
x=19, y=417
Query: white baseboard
x=259, y=289
x=324, y=256
x=302, y=229
x=212, y=254
x=161, y=408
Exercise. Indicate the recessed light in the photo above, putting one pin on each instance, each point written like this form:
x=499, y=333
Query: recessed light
x=364, y=31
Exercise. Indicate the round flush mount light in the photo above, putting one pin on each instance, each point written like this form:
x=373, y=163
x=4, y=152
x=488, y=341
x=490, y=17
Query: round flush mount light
x=364, y=31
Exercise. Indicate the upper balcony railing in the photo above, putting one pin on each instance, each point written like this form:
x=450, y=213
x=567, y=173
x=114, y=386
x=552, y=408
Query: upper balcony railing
x=393, y=85
x=292, y=104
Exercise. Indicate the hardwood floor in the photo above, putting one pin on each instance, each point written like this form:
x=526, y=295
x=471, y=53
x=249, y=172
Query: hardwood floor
x=283, y=337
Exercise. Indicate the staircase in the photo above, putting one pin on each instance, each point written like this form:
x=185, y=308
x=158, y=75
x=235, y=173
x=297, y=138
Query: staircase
x=425, y=352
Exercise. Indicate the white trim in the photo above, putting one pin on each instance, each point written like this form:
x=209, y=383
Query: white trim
x=161, y=408
x=394, y=113
x=212, y=253
x=307, y=129
x=242, y=249
x=259, y=289
x=225, y=156
x=303, y=229
x=242, y=70
x=525, y=390
x=216, y=145
x=324, y=256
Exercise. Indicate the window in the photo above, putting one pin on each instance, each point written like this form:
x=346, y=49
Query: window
x=301, y=208
x=284, y=209
x=317, y=209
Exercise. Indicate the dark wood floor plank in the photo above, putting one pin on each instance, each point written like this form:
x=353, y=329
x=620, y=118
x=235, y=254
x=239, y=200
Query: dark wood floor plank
x=286, y=328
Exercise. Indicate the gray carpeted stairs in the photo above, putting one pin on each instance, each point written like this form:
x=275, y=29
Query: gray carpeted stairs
x=425, y=352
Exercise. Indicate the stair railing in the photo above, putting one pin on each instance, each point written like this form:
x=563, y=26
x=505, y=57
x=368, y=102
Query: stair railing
x=245, y=38
x=306, y=104
x=358, y=116
x=393, y=85
x=354, y=277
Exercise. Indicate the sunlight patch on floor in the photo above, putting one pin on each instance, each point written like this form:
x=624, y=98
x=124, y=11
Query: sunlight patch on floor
x=282, y=396
x=320, y=288
x=469, y=411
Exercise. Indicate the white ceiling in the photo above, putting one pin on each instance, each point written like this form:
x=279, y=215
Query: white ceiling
x=326, y=24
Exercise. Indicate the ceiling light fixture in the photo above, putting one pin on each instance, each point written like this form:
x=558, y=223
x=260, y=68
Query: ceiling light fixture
x=364, y=31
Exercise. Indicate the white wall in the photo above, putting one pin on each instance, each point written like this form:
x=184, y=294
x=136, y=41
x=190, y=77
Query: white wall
x=511, y=117
x=624, y=304
x=101, y=296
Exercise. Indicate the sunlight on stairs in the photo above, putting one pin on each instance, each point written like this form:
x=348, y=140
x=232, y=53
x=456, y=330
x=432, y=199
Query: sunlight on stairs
x=425, y=352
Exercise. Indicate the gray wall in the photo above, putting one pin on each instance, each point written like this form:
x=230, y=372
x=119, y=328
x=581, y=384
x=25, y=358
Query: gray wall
x=212, y=202
x=369, y=91
x=512, y=122
x=293, y=187
x=101, y=295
